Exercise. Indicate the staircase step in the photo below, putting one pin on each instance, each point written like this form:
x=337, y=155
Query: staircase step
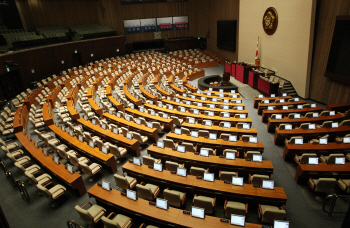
x=292, y=94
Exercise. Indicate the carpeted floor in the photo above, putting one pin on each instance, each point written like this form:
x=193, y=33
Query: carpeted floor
x=302, y=208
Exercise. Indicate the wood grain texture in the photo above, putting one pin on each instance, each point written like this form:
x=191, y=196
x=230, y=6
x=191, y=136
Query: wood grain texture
x=323, y=89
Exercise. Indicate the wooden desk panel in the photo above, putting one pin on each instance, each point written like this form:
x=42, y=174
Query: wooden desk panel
x=195, y=75
x=221, y=130
x=266, y=113
x=147, y=94
x=216, y=95
x=141, y=207
x=273, y=123
x=95, y=107
x=191, y=184
x=142, y=129
x=131, y=97
x=232, y=120
x=107, y=159
x=338, y=107
x=214, y=163
x=115, y=103
x=130, y=144
x=163, y=92
x=258, y=100
x=168, y=123
x=47, y=113
x=281, y=135
x=75, y=181
x=262, y=106
x=218, y=144
x=305, y=171
x=290, y=150
x=72, y=111
x=211, y=102
x=20, y=119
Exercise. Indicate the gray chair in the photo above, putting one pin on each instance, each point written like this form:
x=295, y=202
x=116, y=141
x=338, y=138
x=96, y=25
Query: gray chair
x=118, y=221
x=172, y=166
x=205, y=202
x=344, y=185
x=197, y=171
x=256, y=179
x=169, y=143
x=91, y=215
x=175, y=198
x=226, y=175
x=304, y=158
x=189, y=147
x=268, y=214
x=124, y=182
x=322, y=185
x=148, y=191
x=237, y=208
x=53, y=193
x=91, y=169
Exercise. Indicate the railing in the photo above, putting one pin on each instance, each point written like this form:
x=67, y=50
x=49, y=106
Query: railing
x=332, y=205
x=72, y=224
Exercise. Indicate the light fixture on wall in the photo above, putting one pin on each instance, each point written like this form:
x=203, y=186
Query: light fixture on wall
x=62, y=61
x=33, y=71
x=92, y=55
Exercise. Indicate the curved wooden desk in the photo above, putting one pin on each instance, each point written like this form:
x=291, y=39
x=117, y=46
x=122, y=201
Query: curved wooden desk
x=145, y=211
x=214, y=163
x=258, y=100
x=72, y=111
x=262, y=106
x=218, y=144
x=118, y=105
x=273, y=123
x=246, y=193
x=281, y=135
x=210, y=102
x=75, y=181
x=267, y=113
x=290, y=150
x=106, y=159
x=130, y=144
x=95, y=107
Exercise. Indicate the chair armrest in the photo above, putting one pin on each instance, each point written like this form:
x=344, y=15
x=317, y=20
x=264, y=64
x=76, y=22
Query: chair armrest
x=246, y=208
x=183, y=165
x=219, y=173
x=142, y=183
x=310, y=179
x=214, y=202
x=98, y=214
x=176, y=144
x=159, y=161
x=112, y=213
x=215, y=152
x=155, y=191
x=142, y=225
x=122, y=174
x=324, y=157
x=58, y=190
x=207, y=171
x=193, y=198
x=225, y=204
x=259, y=211
x=87, y=204
x=343, y=183
x=297, y=157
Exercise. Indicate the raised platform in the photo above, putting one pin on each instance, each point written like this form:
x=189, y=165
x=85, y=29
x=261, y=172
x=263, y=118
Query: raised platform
x=204, y=84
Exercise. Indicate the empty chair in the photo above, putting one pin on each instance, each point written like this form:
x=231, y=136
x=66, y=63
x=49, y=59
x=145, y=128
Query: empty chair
x=249, y=154
x=64, y=153
x=330, y=158
x=316, y=141
x=205, y=202
x=89, y=137
x=148, y=191
x=203, y=133
x=226, y=175
x=53, y=192
x=236, y=208
x=175, y=198
x=326, y=124
x=306, y=106
x=172, y=166
x=91, y=169
x=304, y=126
x=117, y=151
x=169, y=143
x=345, y=123
x=74, y=160
x=27, y=166
x=256, y=179
x=197, y=171
x=158, y=126
x=340, y=139
x=324, y=113
x=344, y=184
x=125, y=182
x=5, y=132
x=117, y=221
x=268, y=214
x=138, y=137
x=148, y=160
x=225, y=137
x=189, y=147
x=91, y=215
x=176, y=120
x=185, y=131
x=322, y=185
x=304, y=158
x=8, y=145
x=210, y=150
x=245, y=138
x=309, y=114
x=38, y=178
x=292, y=139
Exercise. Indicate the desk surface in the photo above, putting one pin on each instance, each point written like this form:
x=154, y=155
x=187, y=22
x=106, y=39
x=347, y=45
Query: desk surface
x=74, y=180
x=172, y=216
x=261, y=106
x=107, y=159
x=131, y=144
x=257, y=100
x=218, y=185
x=220, y=130
x=267, y=113
x=209, y=101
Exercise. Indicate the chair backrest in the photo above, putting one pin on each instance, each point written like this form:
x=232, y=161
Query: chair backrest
x=331, y=157
x=86, y=169
x=245, y=138
x=74, y=160
x=282, y=126
x=324, y=113
x=292, y=139
x=204, y=202
x=325, y=185
x=249, y=154
x=227, y=176
x=62, y=153
x=225, y=136
x=203, y=133
x=272, y=213
x=196, y=171
x=345, y=123
x=210, y=150
x=171, y=166
x=113, y=149
x=257, y=179
x=185, y=131
x=124, y=131
x=304, y=158
x=121, y=181
x=304, y=125
x=157, y=125
x=173, y=197
x=87, y=136
x=144, y=192
x=84, y=215
x=45, y=191
x=327, y=124
x=188, y=146
x=147, y=160
x=169, y=143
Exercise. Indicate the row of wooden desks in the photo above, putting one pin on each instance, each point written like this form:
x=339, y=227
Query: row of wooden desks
x=290, y=150
x=72, y=110
x=168, y=123
x=281, y=135
x=190, y=184
x=205, y=102
x=75, y=181
x=221, y=130
x=110, y=97
x=201, y=117
x=324, y=170
x=144, y=211
x=217, y=96
x=131, y=125
x=107, y=160
x=119, y=139
x=214, y=163
x=130, y=97
x=268, y=113
x=273, y=123
x=262, y=106
x=147, y=94
x=218, y=144
x=98, y=110
x=271, y=99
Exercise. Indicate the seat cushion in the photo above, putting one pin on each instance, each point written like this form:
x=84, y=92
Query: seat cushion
x=235, y=208
x=205, y=199
x=123, y=220
x=132, y=181
x=154, y=188
x=57, y=190
x=96, y=210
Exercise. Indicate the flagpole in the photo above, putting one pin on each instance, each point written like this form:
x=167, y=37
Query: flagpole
x=257, y=60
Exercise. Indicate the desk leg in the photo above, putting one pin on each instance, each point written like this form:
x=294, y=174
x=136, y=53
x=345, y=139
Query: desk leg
x=112, y=164
x=298, y=174
x=285, y=152
x=78, y=185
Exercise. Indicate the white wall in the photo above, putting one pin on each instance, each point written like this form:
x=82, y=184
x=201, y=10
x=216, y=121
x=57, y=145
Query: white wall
x=289, y=49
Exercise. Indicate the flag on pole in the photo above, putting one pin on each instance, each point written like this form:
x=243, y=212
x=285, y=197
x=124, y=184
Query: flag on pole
x=257, y=49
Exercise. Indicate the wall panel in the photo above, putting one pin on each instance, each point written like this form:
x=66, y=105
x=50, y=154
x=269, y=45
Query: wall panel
x=321, y=88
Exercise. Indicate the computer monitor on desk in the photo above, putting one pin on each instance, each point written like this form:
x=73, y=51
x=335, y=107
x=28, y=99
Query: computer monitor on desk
x=181, y=172
x=212, y=136
x=162, y=204
x=131, y=194
x=257, y=158
x=335, y=125
x=238, y=181
x=288, y=127
x=298, y=141
x=106, y=185
x=312, y=126
x=191, y=120
x=181, y=148
x=194, y=134
x=204, y=152
x=346, y=140
x=227, y=125
x=253, y=139
x=158, y=167
x=208, y=177
x=340, y=161
x=238, y=220
x=232, y=138
x=280, y=224
x=268, y=184
x=323, y=141
x=313, y=161
x=136, y=161
x=197, y=212
x=270, y=108
x=178, y=131
x=230, y=156
x=160, y=144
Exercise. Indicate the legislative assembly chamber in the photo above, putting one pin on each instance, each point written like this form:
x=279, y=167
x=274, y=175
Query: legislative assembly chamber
x=174, y=113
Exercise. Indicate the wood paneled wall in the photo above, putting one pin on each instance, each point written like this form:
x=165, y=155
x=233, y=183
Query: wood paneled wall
x=321, y=88
x=43, y=13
